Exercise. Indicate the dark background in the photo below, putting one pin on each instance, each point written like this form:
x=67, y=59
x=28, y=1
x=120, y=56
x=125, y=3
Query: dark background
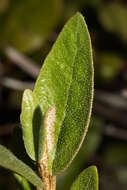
x=28, y=28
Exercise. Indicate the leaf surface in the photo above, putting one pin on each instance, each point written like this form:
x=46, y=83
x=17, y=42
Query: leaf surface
x=9, y=161
x=66, y=81
x=87, y=180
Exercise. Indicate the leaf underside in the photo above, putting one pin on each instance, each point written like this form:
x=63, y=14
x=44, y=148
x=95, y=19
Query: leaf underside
x=66, y=82
x=9, y=161
x=87, y=180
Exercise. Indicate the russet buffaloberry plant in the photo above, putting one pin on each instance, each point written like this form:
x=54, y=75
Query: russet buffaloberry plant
x=56, y=114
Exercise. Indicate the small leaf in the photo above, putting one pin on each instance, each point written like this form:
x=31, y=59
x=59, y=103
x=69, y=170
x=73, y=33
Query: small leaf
x=31, y=120
x=22, y=182
x=87, y=180
x=9, y=161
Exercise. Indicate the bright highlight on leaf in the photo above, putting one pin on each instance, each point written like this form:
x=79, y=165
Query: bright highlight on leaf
x=9, y=161
x=87, y=180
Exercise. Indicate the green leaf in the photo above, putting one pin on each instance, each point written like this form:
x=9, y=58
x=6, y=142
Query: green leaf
x=31, y=119
x=22, y=182
x=29, y=23
x=66, y=81
x=9, y=161
x=87, y=180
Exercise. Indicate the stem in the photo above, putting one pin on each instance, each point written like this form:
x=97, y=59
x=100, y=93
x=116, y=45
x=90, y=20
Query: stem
x=48, y=180
x=53, y=182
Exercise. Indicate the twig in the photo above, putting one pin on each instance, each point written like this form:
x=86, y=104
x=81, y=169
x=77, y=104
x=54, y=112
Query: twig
x=111, y=114
x=25, y=63
x=116, y=132
x=116, y=100
x=16, y=84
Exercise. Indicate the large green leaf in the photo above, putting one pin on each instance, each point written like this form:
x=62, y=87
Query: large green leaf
x=87, y=180
x=29, y=23
x=9, y=161
x=66, y=81
x=31, y=119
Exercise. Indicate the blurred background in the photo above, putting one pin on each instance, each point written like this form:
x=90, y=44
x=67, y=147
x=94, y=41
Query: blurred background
x=28, y=28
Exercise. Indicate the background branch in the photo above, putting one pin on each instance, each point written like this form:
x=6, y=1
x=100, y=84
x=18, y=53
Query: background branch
x=25, y=63
x=16, y=84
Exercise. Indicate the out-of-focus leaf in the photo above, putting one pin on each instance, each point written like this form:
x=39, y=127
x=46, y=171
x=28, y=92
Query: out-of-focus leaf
x=66, y=81
x=115, y=154
x=87, y=180
x=122, y=175
x=22, y=182
x=31, y=120
x=4, y=5
x=9, y=161
x=108, y=66
x=113, y=17
x=28, y=23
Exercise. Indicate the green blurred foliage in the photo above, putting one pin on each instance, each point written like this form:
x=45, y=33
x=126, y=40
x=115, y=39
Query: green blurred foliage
x=3, y=5
x=108, y=66
x=113, y=17
x=28, y=23
x=117, y=151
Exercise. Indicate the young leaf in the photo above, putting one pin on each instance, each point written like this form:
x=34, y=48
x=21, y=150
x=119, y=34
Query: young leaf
x=9, y=161
x=87, y=180
x=31, y=119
